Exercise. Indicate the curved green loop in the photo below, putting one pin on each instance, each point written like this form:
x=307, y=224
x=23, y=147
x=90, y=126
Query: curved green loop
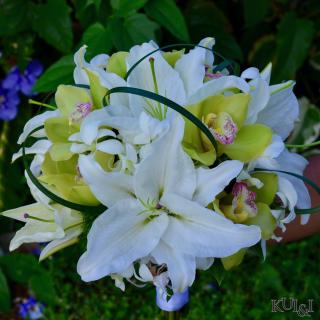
x=225, y=63
x=305, y=180
x=171, y=104
x=51, y=195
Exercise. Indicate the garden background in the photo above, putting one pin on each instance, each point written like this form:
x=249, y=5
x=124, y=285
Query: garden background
x=39, y=37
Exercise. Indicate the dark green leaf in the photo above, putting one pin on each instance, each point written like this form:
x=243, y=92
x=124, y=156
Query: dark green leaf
x=43, y=287
x=205, y=19
x=168, y=14
x=124, y=7
x=13, y=17
x=294, y=38
x=132, y=30
x=96, y=3
x=4, y=294
x=255, y=11
x=262, y=51
x=20, y=267
x=218, y=271
x=61, y=72
x=53, y=24
x=98, y=39
x=86, y=12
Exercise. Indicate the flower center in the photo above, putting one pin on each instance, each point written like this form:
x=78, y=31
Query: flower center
x=80, y=112
x=209, y=75
x=222, y=127
x=2, y=99
x=244, y=199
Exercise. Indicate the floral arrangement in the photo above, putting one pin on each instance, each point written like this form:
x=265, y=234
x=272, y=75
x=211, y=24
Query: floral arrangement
x=166, y=161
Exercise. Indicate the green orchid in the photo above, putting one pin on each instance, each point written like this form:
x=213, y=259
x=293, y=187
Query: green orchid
x=225, y=117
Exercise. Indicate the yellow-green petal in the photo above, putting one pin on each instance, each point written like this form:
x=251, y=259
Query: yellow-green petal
x=68, y=97
x=173, y=56
x=249, y=144
x=50, y=167
x=267, y=193
x=117, y=63
x=236, y=106
x=59, y=129
x=265, y=220
x=71, y=188
x=60, y=151
x=97, y=90
x=233, y=260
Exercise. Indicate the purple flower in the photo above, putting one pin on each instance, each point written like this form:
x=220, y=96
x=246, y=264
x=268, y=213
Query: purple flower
x=9, y=100
x=15, y=82
x=28, y=79
x=23, y=82
x=30, y=308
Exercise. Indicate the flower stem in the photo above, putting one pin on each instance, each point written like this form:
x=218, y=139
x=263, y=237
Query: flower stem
x=41, y=104
x=316, y=143
x=171, y=315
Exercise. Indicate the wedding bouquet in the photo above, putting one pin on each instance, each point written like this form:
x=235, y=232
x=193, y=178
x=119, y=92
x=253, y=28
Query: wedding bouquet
x=165, y=161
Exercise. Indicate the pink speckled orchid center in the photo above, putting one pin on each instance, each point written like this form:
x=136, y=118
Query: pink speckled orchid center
x=244, y=200
x=222, y=127
x=81, y=111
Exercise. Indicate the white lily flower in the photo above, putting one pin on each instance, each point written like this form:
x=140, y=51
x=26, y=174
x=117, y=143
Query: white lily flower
x=161, y=210
x=99, y=62
x=293, y=162
x=55, y=224
x=288, y=196
x=275, y=106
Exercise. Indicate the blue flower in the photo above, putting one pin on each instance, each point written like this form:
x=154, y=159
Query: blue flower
x=9, y=101
x=23, y=82
x=13, y=83
x=28, y=79
x=30, y=308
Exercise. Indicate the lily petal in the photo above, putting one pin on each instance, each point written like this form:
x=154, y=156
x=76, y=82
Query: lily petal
x=181, y=267
x=281, y=111
x=202, y=232
x=166, y=164
x=107, y=187
x=39, y=147
x=36, y=122
x=217, y=86
x=210, y=182
x=117, y=238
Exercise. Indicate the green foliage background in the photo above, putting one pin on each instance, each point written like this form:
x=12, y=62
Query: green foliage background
x=252, y=32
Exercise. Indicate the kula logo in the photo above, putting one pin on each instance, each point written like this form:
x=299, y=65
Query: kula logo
x=291, y=304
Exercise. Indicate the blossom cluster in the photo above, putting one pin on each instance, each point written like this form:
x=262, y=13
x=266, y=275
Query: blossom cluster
x=174, y=201
x=16, y=82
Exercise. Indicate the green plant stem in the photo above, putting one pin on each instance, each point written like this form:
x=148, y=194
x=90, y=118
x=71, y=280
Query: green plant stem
x=316, y=143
